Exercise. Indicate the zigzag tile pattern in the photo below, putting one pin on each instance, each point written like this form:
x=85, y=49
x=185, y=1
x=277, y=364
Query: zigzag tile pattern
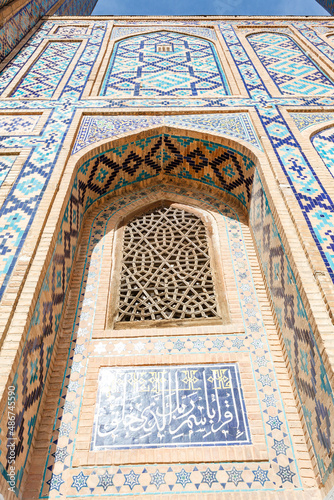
x=45, y=75
x=190, y=68
x=289, y=67
x=324, y=144
x=307, y=366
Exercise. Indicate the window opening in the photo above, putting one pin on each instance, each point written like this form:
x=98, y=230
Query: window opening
x=166, y=272
x=164, y=47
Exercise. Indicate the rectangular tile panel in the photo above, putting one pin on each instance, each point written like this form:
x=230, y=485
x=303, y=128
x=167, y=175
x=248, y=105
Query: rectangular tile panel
x=174, y=406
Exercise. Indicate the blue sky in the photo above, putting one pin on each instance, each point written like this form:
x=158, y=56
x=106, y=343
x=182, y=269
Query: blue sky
x=216, y=7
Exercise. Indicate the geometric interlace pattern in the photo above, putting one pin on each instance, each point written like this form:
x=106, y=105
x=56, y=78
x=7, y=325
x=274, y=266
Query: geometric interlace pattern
x=291, y=69
x=166, y=271
x=190, y=68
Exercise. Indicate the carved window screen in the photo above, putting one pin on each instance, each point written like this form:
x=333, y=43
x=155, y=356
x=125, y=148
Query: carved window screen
x=166, y=273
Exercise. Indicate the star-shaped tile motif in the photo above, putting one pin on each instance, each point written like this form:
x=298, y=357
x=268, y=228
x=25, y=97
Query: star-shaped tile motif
x=73, y=386
x=275, y=423
x=60, y=454
x=159, y=346
x=198, y=344
x=280, y=447
x=80, y=481
x=65, y=429
x=158, y=478
x=261, y=361
x=270, y=400
x=131, y=479
x=55, y=482
x=285, y=474
x=79, y=349
x=105, y=480
x=119, y=347
x=69, y=407
x=265, y=380
x=179, y=345
x=183, y=478
x=99, y=348
x=234, y=476
x=217, y=344
x=261, y=475
x=237, y=343
x=209, y=477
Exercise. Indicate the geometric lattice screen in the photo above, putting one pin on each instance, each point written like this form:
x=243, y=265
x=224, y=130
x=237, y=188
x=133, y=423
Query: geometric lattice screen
x=166, y=273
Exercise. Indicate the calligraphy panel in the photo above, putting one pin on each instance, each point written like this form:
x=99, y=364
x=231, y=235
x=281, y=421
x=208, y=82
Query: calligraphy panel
x=174, y=406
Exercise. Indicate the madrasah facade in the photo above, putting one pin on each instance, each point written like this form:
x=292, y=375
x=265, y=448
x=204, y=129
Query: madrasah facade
x=166, y=256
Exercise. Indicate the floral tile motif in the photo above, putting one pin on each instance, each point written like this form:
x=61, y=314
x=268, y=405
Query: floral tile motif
x=306, y=120
x=97, y=128
x=289, y=67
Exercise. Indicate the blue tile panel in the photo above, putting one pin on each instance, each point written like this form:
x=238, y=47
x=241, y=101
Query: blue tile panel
x=313, y=38
x=6, y=163
x=324, y=144
x=169, y=407
x=45, y=74
x=138, y=69
x=290, y=68
x=97, y=128
x=280, y=473
x=306, y=120
x=314, y=390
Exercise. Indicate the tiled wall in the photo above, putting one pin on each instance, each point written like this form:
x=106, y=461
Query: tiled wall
x=240, y=103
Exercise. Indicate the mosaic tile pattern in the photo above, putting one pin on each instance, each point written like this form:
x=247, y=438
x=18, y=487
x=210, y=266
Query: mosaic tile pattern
x=191, y=68
x=306, y=120
x=72, y=30
x=119, y=32
x=18, y=124
x=313, y=38
x=306, y=186
x=6, y=163
x=46, y=73
x=324, y=144
x=97, y=128
x=313, y=386
x=136, y=407
x=281, y=473
x=289, y=67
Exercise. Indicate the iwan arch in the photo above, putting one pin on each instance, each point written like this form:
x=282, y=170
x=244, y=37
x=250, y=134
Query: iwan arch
x=167, y=305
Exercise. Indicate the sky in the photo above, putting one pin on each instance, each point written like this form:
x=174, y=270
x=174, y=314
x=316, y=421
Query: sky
x=207, y=7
